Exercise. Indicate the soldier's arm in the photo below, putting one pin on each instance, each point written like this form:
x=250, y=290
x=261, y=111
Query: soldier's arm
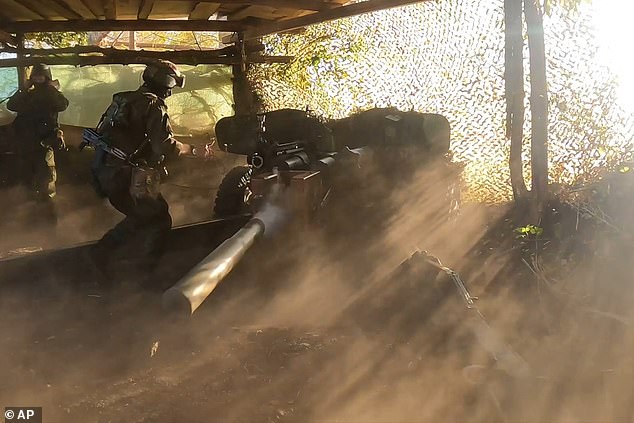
x=61, y=102
x=160, y=133
x=161, y=136
x=57, y=100
x=18, y=102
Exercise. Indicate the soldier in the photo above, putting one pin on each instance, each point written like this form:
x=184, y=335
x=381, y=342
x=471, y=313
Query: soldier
x=37, y=127
x=137, y=123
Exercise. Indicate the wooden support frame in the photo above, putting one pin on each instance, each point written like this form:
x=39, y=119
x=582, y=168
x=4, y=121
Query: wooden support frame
x=222, y=52
x=21, y=68
x=126, y=57
x=110, y=9
x=90, y=7
x=63, y=9
x=204, y=10
x=145, y=9
x=8, y=39
x=325, y=16
x=123, y=25
x=315, y=5
x=28, y=6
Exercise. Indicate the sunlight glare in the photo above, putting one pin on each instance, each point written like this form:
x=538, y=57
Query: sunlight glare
x=613, y=21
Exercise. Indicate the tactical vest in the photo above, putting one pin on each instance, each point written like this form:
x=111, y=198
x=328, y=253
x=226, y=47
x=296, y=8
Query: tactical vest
x=123, y=124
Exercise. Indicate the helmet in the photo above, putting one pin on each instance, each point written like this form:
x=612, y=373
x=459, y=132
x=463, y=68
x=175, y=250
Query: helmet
x=41, y=70
x=163, y=74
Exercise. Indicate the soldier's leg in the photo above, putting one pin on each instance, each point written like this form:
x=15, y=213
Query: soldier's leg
x=43, y=174
x=47, y=183
x=27, y=169
x=115, y=184
x=157, y=228
x=127, y=227
x=45, y=178
x=157, y=222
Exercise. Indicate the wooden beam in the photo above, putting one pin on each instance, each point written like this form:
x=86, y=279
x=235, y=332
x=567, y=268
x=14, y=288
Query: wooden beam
x=122, y=25
x=251, y=48
x=316, y=5
x=62, y=9
x=26, y=4
x=192, y=58
x=243, y=13
x=79, y=7
x=203, y=10
x=8, y=39
x=325, y=16
x=110, y=9
x=145, y=9
x=157, y=46
x=96, y=13
x=221, y=52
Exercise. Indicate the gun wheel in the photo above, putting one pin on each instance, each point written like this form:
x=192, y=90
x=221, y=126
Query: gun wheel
x=234, y=193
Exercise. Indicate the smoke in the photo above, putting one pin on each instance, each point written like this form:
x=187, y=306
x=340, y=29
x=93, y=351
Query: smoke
x=273, y=213
x=316, y=325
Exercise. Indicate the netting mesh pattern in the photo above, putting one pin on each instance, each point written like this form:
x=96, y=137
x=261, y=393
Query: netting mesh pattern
x=448, y=57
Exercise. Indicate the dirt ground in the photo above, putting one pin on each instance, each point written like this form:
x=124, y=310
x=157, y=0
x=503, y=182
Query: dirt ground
x=323, y=324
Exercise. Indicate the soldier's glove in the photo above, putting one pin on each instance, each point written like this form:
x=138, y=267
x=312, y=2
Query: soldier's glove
x=204, y=152
x=60, y=142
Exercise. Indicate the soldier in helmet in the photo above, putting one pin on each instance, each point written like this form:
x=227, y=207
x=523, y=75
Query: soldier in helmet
x=137, y=124
x=36, y=125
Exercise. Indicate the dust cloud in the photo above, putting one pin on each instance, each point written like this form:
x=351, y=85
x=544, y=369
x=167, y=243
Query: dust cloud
x=324, y=324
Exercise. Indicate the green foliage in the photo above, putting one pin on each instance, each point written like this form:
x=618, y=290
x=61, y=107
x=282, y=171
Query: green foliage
x=57, y=39
x=322, y=53
x=529, y=231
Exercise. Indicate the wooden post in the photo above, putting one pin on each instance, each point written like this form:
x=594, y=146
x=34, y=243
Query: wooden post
x=132, y=40
x=20, y=55
x=242, y=95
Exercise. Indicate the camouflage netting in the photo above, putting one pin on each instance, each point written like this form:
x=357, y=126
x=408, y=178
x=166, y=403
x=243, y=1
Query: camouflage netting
x=206, y=98
x=448, y=57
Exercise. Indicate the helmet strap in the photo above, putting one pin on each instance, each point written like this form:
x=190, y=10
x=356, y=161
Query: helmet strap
x=160, y=92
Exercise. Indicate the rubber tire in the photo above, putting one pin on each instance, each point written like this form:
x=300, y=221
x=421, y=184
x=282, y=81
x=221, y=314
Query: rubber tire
x=230, y=199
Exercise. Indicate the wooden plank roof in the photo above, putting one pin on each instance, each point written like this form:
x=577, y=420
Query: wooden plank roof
x=245, y=12
x=253, y=17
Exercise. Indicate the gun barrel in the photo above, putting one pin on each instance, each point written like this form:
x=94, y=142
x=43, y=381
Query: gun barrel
x=190, y=292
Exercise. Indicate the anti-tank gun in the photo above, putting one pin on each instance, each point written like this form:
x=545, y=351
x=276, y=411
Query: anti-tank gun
x=313, y=155
x=295, y=161
x=292, y=147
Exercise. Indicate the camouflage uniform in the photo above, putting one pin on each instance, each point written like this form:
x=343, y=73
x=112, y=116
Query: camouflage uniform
x=36, y=126
x=143, y=132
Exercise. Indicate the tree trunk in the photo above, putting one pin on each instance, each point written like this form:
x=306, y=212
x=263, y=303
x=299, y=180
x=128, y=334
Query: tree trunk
x=539, y=106
x=514, y=89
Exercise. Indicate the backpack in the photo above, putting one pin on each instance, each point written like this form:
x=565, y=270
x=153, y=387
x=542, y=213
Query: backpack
x=117, y=115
